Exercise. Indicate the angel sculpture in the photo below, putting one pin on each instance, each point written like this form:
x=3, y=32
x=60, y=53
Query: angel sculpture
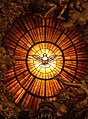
x=7, y=61
x=45, y=59
x=47, y=8
x=82, y=91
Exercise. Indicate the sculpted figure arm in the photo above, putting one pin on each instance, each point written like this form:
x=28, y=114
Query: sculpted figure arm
x=49, y=12
x=68, y=83
x=81, y=85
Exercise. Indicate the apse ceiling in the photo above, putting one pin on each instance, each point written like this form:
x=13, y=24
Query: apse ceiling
x=43, y=50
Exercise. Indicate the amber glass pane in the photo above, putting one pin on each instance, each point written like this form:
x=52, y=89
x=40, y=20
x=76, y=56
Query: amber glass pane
x=43, y=50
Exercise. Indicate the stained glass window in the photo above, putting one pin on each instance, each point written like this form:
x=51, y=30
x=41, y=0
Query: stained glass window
x=43, y=50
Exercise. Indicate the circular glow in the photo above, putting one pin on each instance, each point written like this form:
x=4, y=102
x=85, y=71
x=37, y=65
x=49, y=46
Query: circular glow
x=45, y=60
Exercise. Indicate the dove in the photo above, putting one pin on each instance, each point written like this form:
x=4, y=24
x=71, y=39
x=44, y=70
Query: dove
x=45, y=59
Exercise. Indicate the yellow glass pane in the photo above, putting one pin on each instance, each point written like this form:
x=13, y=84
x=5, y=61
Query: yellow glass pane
x=45, y=62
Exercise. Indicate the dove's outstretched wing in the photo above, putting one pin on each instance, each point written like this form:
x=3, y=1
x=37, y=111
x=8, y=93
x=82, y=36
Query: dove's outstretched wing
x=35, y=57
x=54, y=57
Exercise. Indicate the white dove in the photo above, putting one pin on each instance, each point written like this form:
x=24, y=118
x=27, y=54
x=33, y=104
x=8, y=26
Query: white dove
x=45, y=59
